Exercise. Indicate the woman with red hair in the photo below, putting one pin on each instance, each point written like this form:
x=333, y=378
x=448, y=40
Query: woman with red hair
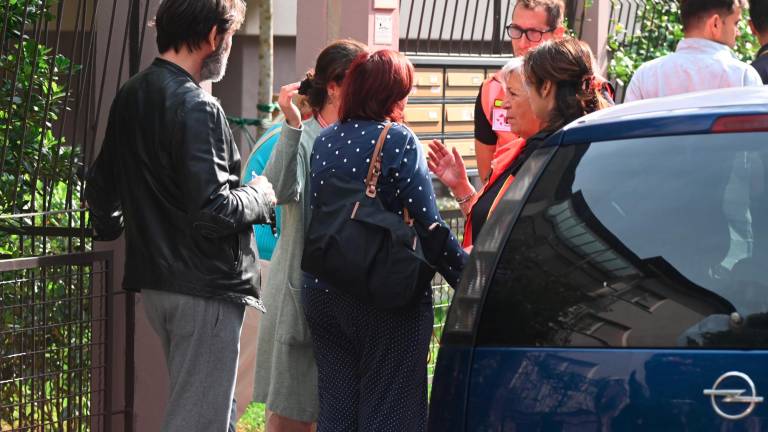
x=372, y=362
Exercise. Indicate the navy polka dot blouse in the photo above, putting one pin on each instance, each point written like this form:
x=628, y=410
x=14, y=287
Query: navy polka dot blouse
x=344, y=150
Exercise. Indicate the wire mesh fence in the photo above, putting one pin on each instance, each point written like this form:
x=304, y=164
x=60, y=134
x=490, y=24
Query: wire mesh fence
x=44, y=89
x=54, y=353
x=442, y=293
x=57, y=62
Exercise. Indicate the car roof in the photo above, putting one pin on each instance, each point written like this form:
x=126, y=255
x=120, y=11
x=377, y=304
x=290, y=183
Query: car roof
x=685, y=114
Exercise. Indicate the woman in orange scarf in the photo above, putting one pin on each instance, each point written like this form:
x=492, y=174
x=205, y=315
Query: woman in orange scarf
x=448, y=166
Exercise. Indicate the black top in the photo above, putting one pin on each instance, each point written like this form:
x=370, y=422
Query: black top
x=483, y=130
x=761, y=63
x=483, y=204
x=169, y=175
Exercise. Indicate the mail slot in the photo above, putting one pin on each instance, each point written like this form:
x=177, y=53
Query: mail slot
x=424, y=118
x=463, y=82
x=460, y=118
x=428, y=83
x=466, y=148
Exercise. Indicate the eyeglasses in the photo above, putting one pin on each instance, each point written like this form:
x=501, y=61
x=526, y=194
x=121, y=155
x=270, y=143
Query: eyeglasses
x=533, y=35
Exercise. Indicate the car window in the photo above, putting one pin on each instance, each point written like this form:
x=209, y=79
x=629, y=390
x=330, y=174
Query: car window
x=655, y=242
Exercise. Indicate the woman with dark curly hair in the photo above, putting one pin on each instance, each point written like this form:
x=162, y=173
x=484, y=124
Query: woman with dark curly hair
x=286, y=374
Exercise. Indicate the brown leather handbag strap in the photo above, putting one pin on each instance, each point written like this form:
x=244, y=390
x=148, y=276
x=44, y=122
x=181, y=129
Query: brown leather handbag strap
x=374, y=169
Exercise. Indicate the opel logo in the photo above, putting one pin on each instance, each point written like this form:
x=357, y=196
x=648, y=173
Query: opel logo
x=734, y=395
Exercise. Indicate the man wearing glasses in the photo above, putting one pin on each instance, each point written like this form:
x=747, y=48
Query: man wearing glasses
x=533, y=21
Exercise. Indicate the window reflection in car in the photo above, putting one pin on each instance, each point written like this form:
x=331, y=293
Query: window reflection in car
x=639, y=243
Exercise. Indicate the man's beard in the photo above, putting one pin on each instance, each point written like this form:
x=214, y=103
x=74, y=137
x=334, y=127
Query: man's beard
x=215, y=64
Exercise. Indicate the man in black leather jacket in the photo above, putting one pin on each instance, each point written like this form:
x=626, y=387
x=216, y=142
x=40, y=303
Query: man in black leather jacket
x=169, y=175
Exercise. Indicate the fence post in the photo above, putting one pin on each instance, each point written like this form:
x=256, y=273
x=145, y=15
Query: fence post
x=497, y=25
x=597, y=24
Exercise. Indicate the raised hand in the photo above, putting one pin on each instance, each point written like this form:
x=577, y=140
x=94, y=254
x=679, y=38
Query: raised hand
x=448, y=166
x=289, y=109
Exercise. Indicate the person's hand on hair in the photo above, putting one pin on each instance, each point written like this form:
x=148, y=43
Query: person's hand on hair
x=289, y=109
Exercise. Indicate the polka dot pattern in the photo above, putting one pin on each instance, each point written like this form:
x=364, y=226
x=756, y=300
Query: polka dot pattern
x=404, y=181
x=372, y=372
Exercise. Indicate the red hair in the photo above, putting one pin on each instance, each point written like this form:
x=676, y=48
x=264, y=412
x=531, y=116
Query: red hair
x=376, y=87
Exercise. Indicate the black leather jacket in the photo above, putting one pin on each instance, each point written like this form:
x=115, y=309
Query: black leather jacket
x=169, y=174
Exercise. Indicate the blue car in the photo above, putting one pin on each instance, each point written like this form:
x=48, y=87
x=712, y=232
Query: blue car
x=622, y=283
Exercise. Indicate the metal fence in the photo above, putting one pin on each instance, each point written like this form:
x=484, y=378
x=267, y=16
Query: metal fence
x=57, y=66
x=627, y=20
x=55, y=358
x=455, y=27
x=466, y=28
x=442, y=293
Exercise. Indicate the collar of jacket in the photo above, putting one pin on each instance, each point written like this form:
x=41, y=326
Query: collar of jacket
x=163, y=63
x=763, y=51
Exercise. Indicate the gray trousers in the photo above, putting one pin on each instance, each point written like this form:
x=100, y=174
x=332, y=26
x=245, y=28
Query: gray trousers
x=201, y=340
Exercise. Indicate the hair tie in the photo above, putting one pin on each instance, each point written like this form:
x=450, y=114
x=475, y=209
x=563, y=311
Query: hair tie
x=306, y=84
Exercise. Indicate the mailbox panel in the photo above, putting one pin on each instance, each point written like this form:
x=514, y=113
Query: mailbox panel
x=463, y=82
x=428, y=83
x=424, y=118
x=466, y=148
x=460, y=118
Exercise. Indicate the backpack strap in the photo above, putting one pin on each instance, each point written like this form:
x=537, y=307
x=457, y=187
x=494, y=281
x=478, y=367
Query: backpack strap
x=374, y=168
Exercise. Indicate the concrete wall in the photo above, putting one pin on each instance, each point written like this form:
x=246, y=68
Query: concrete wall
x=238, y=90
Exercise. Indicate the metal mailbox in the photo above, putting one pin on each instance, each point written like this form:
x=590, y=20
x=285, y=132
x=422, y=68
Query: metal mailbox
x=428, y=83
x=424, y=118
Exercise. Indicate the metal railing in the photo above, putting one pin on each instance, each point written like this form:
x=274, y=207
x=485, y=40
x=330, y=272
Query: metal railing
x=442, y=293
x=55, y=344
x=455, y=27
x=467, y=28
x=59, y=61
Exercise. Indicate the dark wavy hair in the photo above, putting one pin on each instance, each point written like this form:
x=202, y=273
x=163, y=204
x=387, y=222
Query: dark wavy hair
x=376, y=87
x=188, y=22
x=567, y=64
x=332, y=65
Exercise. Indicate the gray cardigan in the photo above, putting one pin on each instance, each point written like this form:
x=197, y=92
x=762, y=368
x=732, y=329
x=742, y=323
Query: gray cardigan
x=287, y=170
